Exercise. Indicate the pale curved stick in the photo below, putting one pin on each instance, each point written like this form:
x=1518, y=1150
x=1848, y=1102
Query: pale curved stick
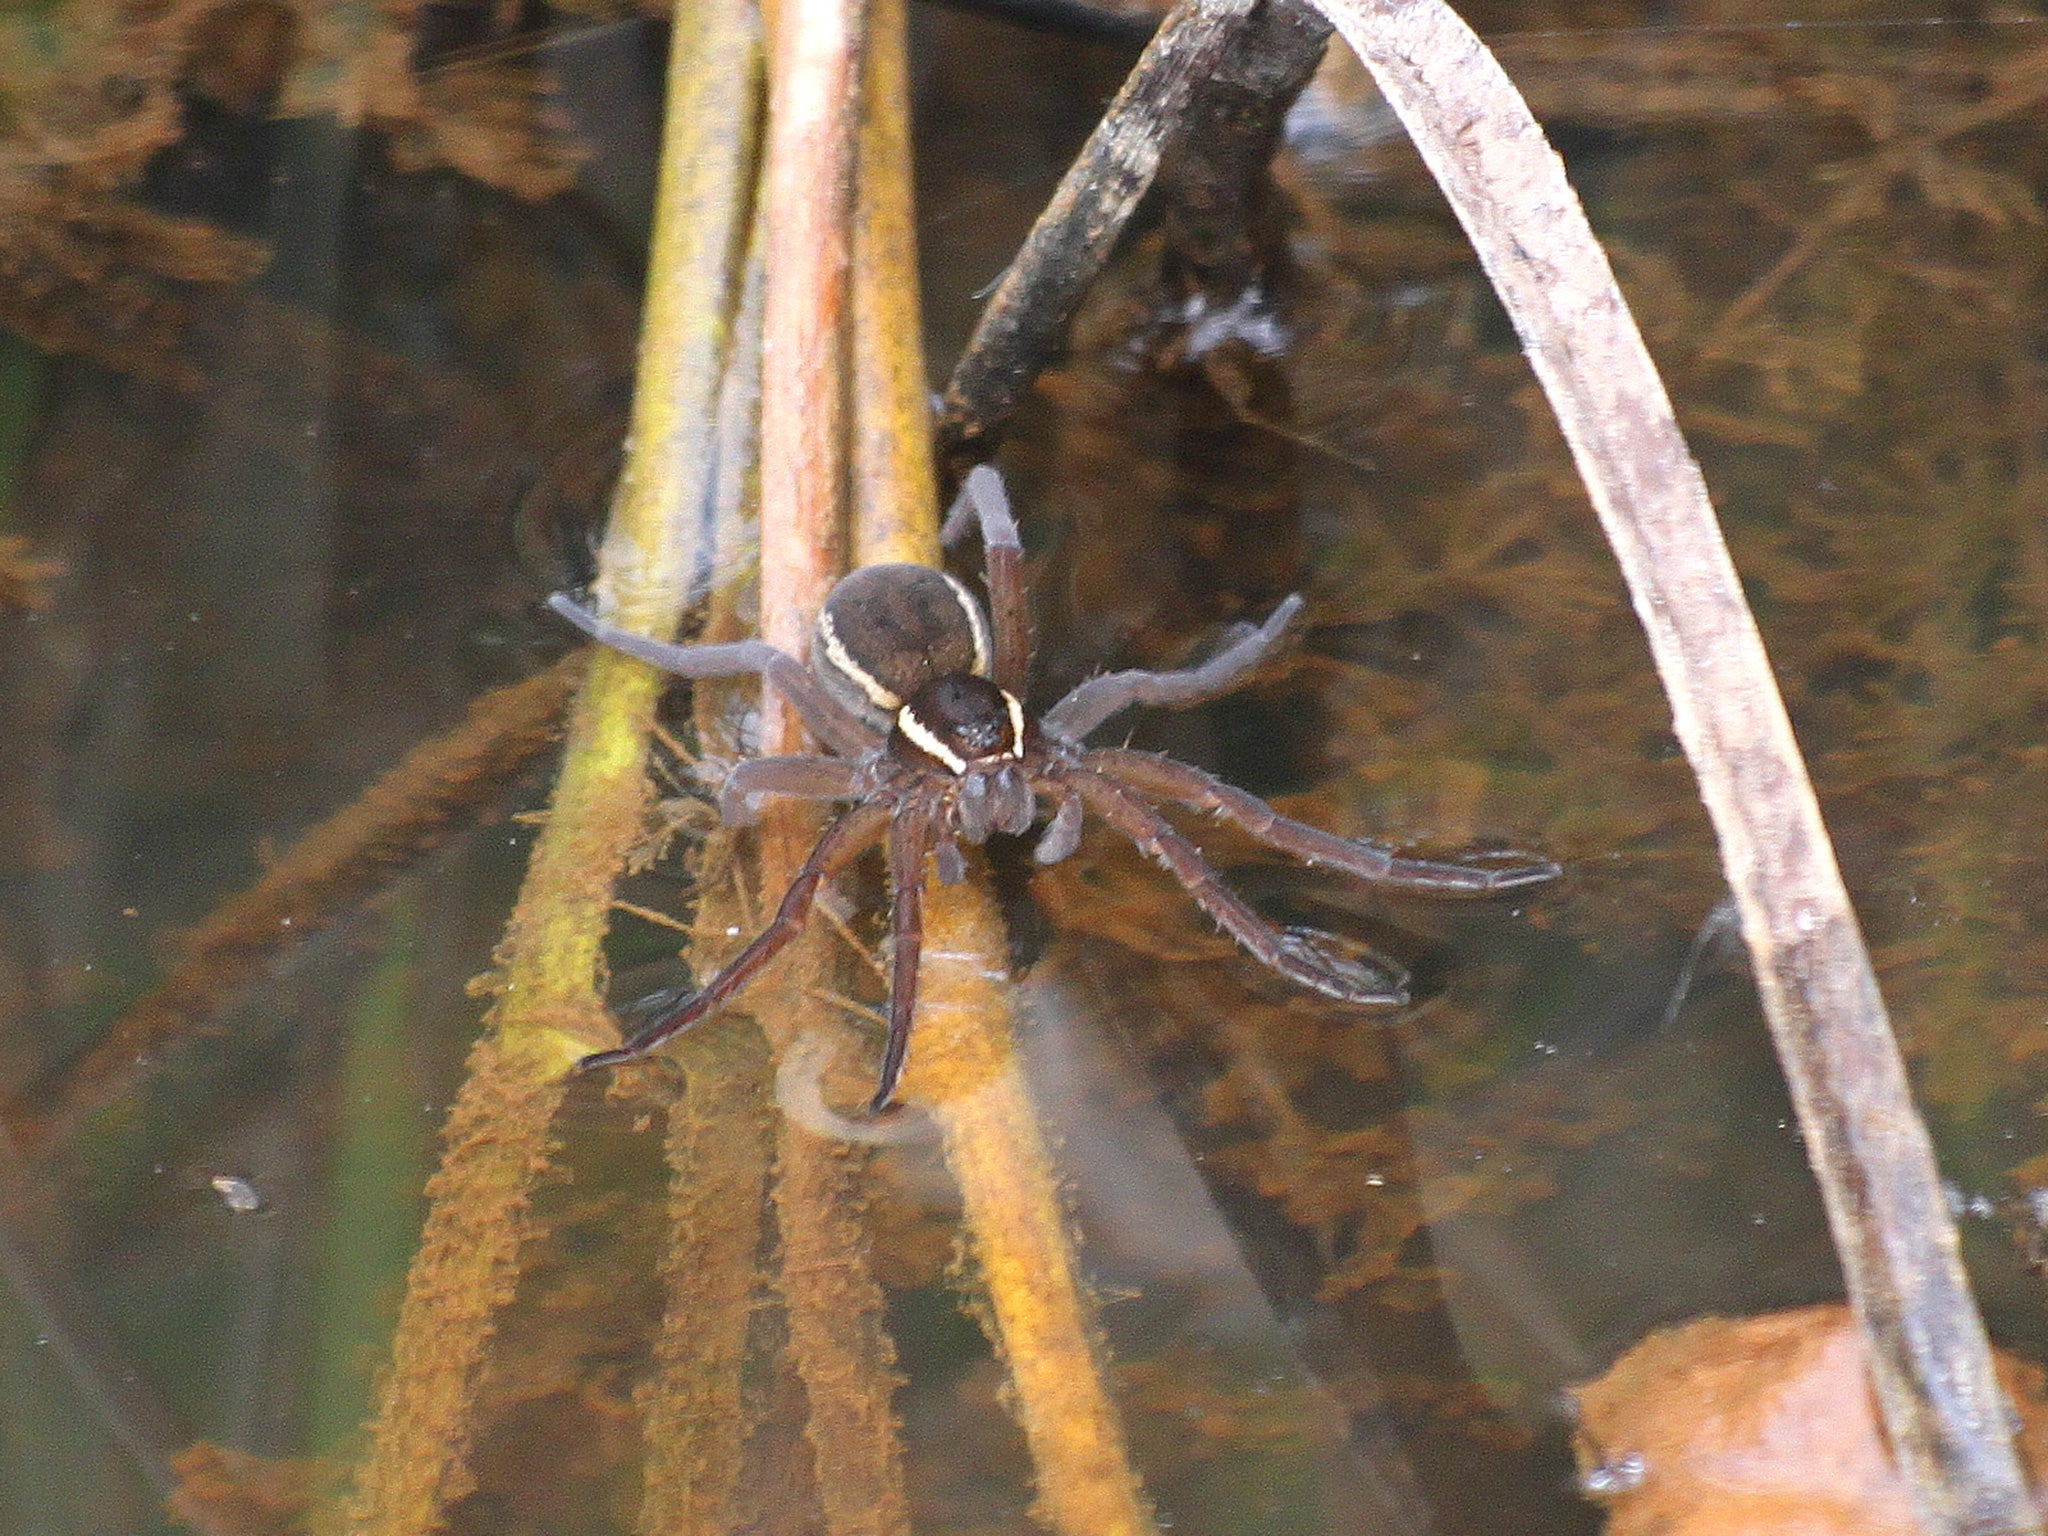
x=1930, y=1361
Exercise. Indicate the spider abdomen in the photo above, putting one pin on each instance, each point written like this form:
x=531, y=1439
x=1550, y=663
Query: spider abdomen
x=886, y=631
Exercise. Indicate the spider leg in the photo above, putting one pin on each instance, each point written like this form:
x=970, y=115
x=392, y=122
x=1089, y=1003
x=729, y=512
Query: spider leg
x=1094, y=701
x=740, y=658
x=1162, y=777
x=1295, y=953
x=799, y=775
x=1062, y=834
x=910, y=839
x=839, y=843
x=1003, y=553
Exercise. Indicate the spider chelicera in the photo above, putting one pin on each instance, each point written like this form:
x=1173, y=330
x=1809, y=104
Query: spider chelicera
x=920, y=697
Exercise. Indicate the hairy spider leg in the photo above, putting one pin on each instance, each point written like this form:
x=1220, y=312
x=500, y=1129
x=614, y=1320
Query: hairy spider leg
x=740, y=658
x=1294, y=954
x=1164, y=779
x=800, y=775
x=910, y=839
x=841, y=841
x=1002, y=553
x=1094, y=701
x=1062, y=834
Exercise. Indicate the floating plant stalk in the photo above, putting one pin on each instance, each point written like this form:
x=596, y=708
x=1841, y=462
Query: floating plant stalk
x=720, y=1133
x=895, y=504
x=497, y=1136
x=965, y=1071
x=1930, y=1361
x=433, y=791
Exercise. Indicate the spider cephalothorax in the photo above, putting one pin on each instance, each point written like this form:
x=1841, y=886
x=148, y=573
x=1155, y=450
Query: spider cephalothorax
x=919, y=694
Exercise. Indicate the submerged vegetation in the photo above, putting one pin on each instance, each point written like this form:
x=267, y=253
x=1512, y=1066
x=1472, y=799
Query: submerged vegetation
x=1328, y=1270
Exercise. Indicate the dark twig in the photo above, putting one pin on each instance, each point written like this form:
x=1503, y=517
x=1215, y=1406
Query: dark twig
x=1930, y=1362
x=1066, y=18
x=1224, y=233
x=1023, y=323
x=1202, y=112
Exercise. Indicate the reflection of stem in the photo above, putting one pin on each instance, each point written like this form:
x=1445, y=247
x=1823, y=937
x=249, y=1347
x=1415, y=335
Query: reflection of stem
x=401, y=816
x=378, y=1161
x=66, y=1325
x=718, y=1148
x=1930, y=1361
x=498, y=1132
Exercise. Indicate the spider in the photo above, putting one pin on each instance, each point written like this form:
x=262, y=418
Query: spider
x=919, y=696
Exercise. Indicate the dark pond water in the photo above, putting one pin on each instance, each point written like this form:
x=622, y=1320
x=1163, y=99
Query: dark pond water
x=1348, y=1264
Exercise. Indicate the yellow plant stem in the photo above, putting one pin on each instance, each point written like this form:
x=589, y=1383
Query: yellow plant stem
x=966, y=1073
x=963, y=1067
x=498, y=1134
x=720, y=1135
x=895, y=516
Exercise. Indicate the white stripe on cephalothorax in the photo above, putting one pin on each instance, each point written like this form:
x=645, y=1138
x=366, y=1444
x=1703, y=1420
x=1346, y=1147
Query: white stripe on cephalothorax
x=977, y=622
x=878, y=693
x=1016, y=709
x=921, y=737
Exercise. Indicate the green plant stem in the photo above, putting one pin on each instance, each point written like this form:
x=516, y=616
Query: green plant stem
x=547, y=1015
